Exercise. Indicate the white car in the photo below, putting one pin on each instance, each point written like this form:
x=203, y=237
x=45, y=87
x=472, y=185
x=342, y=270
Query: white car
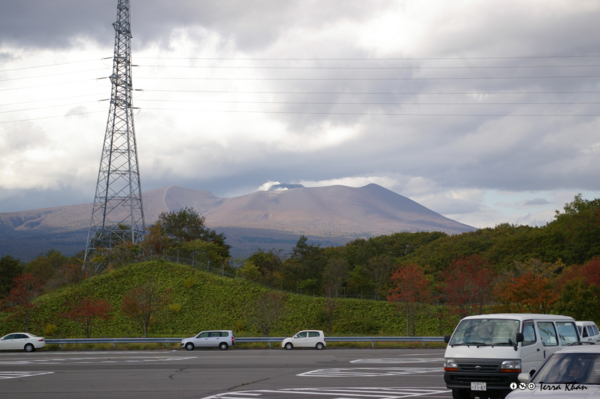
x=221, y=339
x=21, y=341
x=573, y=372
x=588, y=331
x=305, y=339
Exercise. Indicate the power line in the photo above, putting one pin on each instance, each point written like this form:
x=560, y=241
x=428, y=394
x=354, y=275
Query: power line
x=50, y=65
x=368, y=68
x=54, y=74
x=378, y=114
x=52, y=117
x=373, y=79
x=369, y=93
x=50, y=106
x=369, y=59
x=50, y=84
x=366, y=103
x=51, y=99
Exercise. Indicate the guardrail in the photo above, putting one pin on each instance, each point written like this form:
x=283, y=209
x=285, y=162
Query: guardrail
x=238, y=340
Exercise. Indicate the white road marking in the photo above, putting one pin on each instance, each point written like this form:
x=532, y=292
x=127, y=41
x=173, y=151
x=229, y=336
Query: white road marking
x=7, y=375
x=338, y=393
x=370, y=372
x=97, y=360
x=399, y=360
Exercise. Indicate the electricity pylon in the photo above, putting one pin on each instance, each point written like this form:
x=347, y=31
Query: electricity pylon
x=118, y=214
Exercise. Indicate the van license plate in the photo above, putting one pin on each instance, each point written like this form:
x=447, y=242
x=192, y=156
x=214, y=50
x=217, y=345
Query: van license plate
x=478, y=386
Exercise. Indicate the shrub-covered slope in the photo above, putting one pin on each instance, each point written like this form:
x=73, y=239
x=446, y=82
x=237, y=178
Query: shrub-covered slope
x=204, y=301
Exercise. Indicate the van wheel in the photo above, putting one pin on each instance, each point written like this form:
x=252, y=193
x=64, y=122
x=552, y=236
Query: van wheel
x=319, y=346
x=223, y=346
x=289, y=346
x=189, y=346
x=460, y=394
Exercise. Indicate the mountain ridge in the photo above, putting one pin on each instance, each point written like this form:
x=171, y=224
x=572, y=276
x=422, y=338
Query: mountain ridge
x=332, y=214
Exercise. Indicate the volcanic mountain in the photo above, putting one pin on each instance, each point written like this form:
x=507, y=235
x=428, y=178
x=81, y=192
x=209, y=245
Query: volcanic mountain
x=330, y=215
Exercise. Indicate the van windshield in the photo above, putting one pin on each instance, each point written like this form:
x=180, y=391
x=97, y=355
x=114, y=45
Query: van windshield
x=486, y=332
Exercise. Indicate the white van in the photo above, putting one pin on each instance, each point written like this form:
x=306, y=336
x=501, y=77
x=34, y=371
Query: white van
x=486, y=353
x=588, y=331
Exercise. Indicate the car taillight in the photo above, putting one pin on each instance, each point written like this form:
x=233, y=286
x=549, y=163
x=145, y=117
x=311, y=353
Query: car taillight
x=41, y=340
x=232, y=339
x=324, y=339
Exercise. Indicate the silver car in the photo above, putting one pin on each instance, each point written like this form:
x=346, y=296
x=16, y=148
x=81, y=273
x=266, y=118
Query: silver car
x=22, y=341
x=573, y=372
x=221, y=339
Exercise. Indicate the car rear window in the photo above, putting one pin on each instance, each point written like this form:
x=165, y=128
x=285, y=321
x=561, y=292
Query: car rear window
x=224, y=334
x=313, y=334
x=595, y=329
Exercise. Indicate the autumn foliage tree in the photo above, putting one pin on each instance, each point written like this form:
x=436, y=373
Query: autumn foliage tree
x=87, y=311
x=20, y=300
x=410, y=289
x=146, y=304
x=467, y=285
x=268, y=311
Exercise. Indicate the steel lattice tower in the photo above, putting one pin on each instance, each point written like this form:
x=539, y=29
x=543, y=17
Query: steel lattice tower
x=118, y=214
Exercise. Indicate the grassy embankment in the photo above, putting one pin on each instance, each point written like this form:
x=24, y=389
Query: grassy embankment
x=204, y=301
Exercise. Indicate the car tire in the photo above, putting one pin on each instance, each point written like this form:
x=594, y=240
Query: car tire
x=319, y=346
x=189, y=346
x=460, y=394
x=223, y=346
x=289, y=346
x=29, y=348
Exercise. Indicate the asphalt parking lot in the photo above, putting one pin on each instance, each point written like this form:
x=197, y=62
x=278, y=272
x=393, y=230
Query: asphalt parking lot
x=231, y=374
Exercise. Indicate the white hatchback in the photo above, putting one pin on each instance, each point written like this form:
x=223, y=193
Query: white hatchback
x=305, y=339
x=22, y=341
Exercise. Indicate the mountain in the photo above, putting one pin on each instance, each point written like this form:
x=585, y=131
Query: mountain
x=330, y=215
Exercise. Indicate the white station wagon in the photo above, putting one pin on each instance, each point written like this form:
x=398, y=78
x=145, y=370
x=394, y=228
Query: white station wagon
x=221, y=339
x=21, y=341
x=305, y=339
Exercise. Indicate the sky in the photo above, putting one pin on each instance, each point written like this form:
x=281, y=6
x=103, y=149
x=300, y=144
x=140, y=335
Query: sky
x=484, y=111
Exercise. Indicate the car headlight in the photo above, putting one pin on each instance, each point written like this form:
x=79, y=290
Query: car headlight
x=511, y=366
x=450, y=365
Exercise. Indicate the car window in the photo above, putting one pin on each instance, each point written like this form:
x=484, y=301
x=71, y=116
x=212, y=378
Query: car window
x=301, y=334
x=566, y=333
x=583, y=332
x=547, y=333
x=224, y=334
x=590, y=330
x=313, y=334
x=595, y=330
x=22, y=336
x=10, y=336
x=528, y=333
x=214, y=334
x=203, y=335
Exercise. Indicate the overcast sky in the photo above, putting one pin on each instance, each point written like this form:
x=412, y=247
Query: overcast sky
x=483, y=111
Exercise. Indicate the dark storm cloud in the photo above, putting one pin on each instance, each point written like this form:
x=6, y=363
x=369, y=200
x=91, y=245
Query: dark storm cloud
x=250, y=24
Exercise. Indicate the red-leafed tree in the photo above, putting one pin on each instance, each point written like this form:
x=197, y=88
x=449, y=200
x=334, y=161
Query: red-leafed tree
x=87, y=311
x=20, y=299
x=468, y=285
x=410, y=290
x=145, y=304
x=532, y=293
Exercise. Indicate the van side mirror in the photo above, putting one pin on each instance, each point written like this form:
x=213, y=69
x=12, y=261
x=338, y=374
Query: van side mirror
x=446, y=338
x=524, y=378
x=520, y=337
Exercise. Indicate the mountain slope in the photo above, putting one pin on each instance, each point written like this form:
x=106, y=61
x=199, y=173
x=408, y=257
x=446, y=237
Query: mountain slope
x=330, y=215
